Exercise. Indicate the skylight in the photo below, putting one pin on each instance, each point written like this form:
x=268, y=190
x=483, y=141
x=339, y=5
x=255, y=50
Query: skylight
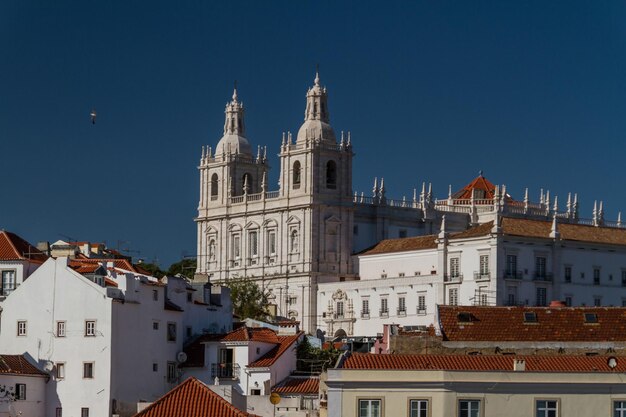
x=530, y=317
x=591, y=318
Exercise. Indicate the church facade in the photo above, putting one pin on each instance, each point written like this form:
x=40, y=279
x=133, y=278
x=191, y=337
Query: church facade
x=291, y=239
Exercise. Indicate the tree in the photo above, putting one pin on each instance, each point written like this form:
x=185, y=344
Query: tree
x=315, y=360
x=153, y=269
x=186, y=267
x=249, y=301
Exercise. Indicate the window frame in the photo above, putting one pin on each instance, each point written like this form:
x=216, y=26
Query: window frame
x=90, y=332
x=168, y=336
x=4, y=291
x=381, y=402
x=61, y=328
x=91, y=374
x=618, y=400
x=20, y=391
x=84, y=412
x=556, y=400
x=170, y=375
x=59, y=372
x=427, y=400
x=22, y=332
x=469, y=399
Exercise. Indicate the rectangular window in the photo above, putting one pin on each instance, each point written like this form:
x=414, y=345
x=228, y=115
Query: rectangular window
x=155, y=367
x=568, y=301
x=596, y=276
x=253, y=243
x=511, y=266
x=541, y=297
x=236, y=246
x=365, y=307
x=84, y=412
x=547, y=408
x=60, y=370
x=370, y=408
x=255, y=392
x=384, y=307
x=155, y=325
x=402, y=233
x=619, y=408
x=90, y=328
x=88, y=370
x=623, y=277
x=454, y=267
x=540, y=267
x=60, y=329
x=597, y=301
x=453, y=296
x=484, y=265
x=155, y=295
x=271, y=242
x=20, y=392
x=402, y=305
x=171, y=372
x=421, y=304
x=568, y=274
x=469, y=408
x=511, y=296
x=418, y=408
x=59, y=412
x=8, y=282
x=21, y=328
x=189, y=297
x=340, y=309
x=483, y=299
x=171, y=332
x=188, y=332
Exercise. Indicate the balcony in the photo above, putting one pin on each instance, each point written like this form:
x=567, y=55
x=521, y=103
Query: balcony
x=421, y=311
x=225, y=370
x=509, y=274
x=482, y=276
x=401, y=312
x=543, y=276
x=383, y=313
x=365, y=314
x=456, y=278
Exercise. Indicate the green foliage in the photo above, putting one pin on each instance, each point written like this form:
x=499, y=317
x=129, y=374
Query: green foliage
x=186, y=267
x=153, y=269
x=248, y=299
x=315, y=360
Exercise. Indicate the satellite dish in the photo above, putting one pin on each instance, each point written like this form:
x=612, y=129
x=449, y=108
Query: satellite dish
x=48, y=366
x=181, y=357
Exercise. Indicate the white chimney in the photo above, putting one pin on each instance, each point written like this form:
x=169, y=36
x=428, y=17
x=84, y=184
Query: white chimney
x=519, y=365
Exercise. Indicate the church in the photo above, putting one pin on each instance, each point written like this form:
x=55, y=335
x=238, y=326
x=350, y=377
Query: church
x=302, y=235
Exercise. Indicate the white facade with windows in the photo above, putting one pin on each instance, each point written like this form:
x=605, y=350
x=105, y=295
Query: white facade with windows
x=23, y=390
x=517, y=262
x=108, y=346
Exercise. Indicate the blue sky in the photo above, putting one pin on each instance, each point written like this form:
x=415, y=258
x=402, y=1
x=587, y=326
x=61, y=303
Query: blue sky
x=533, y=93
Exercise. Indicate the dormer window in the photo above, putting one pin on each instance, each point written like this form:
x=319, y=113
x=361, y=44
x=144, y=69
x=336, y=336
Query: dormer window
x=591, y=318
x=530, y=317
x=464, y=317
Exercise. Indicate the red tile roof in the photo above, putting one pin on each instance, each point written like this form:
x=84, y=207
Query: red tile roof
x=478, y=183
x=256, y=334
x=506, y=324
x=18, y=364
x=284, y=343
x=86, y=262
x=482, y=363
x=298, y=385
x=14, y=248
x=402, y=245
x=192, y=398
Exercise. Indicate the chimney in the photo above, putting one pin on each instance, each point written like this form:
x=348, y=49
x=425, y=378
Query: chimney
x=519, y=365
x=557, y=304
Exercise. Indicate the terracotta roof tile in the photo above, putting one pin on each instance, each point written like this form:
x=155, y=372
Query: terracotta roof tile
x=554, y=324
x=256, y=334
x=18, y=364
x=285, y=342
x=14, y=248
x=475, y=231
x=575, y=232
x=192, y=398
x=117, y=263
x=478, y=183
x=402, y=245
x=298, y=385
x=482, y=363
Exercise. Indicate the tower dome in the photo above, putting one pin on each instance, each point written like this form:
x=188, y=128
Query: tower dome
x=316, y=124
x=234, y=140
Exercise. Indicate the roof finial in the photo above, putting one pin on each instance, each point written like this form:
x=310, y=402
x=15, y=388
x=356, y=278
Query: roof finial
x=480, y=173
x=317, y=75
x=443, y=233
x=556, y=204
x=554, y=230
x=619, y=219
x=235, y=91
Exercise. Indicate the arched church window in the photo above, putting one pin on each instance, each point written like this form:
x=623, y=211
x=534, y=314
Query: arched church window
x=246, y=182
x=296, y=174
x=331, y=175
x=213, y=186
x=294, y=241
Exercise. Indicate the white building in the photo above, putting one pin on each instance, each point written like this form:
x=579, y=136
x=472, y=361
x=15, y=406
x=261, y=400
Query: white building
x=22, y=387
x=512, y=261
x=18, y=259
x=113, y=337
x=244, y=365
